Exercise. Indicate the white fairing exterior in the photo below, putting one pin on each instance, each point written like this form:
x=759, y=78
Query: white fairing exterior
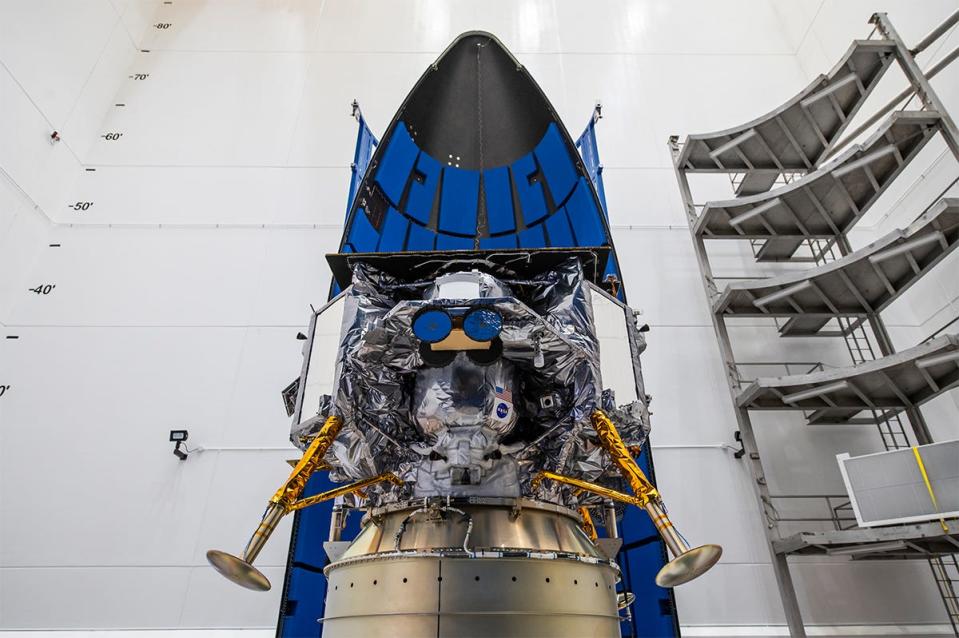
x=180, y=291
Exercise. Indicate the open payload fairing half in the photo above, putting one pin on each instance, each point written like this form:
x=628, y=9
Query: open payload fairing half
x=474, y=385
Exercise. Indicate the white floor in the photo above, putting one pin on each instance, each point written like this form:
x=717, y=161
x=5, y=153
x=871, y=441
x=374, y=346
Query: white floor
x=694, y=631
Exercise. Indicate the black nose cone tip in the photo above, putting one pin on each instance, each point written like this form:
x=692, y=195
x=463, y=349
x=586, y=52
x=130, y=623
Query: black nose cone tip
x=477, y=103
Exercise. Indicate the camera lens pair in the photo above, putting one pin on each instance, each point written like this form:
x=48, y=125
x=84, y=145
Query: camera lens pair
x=432, y=325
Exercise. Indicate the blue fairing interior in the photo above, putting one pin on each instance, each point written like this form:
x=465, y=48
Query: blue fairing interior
x=540, y=200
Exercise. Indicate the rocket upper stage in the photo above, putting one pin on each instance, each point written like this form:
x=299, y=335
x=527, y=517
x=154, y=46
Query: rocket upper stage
x=475, y=158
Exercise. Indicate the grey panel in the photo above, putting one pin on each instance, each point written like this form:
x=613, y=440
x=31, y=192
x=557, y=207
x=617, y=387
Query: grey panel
x=755, y=182
x=779, y=249
x=888, y=488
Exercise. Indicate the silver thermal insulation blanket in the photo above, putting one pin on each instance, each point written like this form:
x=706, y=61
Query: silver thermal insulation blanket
x=468, y=428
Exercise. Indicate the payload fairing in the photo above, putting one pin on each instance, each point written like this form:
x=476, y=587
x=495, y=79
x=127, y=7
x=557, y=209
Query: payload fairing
x=476, y=386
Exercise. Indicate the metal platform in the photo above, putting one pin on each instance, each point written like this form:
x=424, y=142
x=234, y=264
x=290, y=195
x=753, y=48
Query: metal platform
x=885, y=386
x=795, y=136
x=862, y=283
x=925, y=540
x=824, y=203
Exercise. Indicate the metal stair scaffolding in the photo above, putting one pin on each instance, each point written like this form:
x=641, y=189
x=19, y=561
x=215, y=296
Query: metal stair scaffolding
x=891, y=428
x=794, y=204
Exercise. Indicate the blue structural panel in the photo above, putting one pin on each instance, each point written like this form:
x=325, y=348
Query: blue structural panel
x=589, y=151
x=557, y=204
x=429, y=206
x=366, y=143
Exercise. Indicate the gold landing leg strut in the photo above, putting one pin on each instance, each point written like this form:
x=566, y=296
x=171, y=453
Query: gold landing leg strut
x=240, y=569
x=687, y=563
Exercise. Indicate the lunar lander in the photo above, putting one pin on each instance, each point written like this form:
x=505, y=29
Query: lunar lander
x=476, y=385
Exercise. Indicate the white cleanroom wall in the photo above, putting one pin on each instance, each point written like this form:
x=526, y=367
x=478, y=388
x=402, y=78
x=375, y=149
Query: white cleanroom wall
x=181, y=288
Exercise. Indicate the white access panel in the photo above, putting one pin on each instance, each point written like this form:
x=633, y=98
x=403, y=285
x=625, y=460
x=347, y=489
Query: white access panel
x=887, y=488
x=319, y=373
x=616, y=360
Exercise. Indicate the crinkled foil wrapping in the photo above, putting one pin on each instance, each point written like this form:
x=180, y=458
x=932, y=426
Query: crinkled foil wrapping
x=394, y=405
x=462, y=394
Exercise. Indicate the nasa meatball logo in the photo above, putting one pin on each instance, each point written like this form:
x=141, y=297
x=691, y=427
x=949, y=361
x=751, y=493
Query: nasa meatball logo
x=502, y=410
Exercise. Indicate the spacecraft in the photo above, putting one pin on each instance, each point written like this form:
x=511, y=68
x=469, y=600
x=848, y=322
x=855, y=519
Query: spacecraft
x=474, y=386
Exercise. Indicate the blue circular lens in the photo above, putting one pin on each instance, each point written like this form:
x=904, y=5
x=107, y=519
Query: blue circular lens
x=432, y=325
x=482, y=324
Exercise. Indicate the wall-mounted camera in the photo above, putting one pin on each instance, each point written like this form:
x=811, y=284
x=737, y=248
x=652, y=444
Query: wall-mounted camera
x=179, y=437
